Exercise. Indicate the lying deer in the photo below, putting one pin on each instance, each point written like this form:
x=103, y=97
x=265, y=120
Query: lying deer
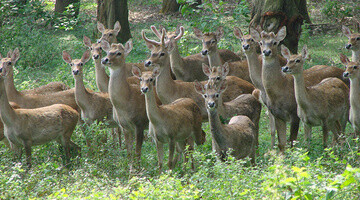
x=209, y=42
x=239, y=135
x=279, y=88
x=353, y=43
x=29, y=127
x=325, y=104
x=352, y=72
x=176, y=123
x=189, y=68
x=10, y=62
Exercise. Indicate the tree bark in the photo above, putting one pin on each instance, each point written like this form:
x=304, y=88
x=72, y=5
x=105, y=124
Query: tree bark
x=271, y=15
x=60, y=6
x=108, y=12
x=169, y=6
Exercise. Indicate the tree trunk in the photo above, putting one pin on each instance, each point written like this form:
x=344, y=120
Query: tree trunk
x=271, y=15
x=60, y=6
x=169, y=6
x=108, y=12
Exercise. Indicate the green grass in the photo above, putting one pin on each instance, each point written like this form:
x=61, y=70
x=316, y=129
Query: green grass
x=332, y=173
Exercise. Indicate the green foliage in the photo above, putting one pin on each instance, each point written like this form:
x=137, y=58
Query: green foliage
x=340, y=9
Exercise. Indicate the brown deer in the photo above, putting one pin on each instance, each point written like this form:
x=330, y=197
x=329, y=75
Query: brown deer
x=167, y=89
x=209, y=42
x=352, y=72
x=325, y=104
x=128, y=103
x=172, y=123
x=279, y=87
x=189, y=68
x=48, y=88
x=239, y=135
x=29, y=127
x=353, y=43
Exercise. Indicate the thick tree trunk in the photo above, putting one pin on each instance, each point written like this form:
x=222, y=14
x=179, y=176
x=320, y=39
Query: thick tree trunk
x=169, y=6
x=271, y=15
x=108, y=12
x=60, y=6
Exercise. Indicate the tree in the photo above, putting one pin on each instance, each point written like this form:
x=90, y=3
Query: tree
x=271, y=15
x=171, y=6
x=108, y=12
x=60, y=6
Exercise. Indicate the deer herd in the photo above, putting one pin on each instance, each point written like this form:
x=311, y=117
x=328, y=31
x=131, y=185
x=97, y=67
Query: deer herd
x=172, y=96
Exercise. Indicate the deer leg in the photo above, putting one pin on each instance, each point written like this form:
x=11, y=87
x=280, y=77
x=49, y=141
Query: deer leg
x=308, y=132
x=171, y=153
x=253, y=156
x=281, y=132
x=325, y=134
x=129, y=140
x=336, y=130
x=272, y=128
x=294, y=129
x=160, y=153
x=27, y=145
x=139, y=141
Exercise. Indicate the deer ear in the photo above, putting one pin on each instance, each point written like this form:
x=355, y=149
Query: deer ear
x=237, y=32
x=285, y=52
x=156, y=71
x=225, y=69
x=255, y=34
x=304, y=52
x=280, y=36
x=87, y=41
x=100, y=27
x=344, y=59
x=219, y=33
x=66, y=57
x=15, y=55
x=128, y=47
x=117, y=27
x=198, y=33
x=86, y=56
x=136, y=71
x=9, y=54
x=346, y=31
x=105, y=45
x=199, y=88
x=206, y=69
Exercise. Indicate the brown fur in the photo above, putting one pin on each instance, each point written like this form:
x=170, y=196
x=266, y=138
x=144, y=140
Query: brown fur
x=353, y=43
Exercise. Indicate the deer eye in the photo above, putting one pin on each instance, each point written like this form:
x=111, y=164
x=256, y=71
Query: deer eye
x=217, y=95
x=218, y=78
x=297, y=60
x=358, y=38
x=162, y=54
x=140, y=79
x=91, y=48
x=9, y=63
x=151, y=79
x=81, y=64
x=100, y=48
x=110, y=34
x=260, y=43
x=71, y=64
x=212, y=41
x=205, y=95
x=355, y=67
x=275, y=43
x=252, y=40
x=118, y=53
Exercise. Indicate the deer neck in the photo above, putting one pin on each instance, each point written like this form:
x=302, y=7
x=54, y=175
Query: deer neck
x=176, y=61
x=119, y=89
x=216, y=128
x=165, y=85
x=214, y=58
x=81, y=94
x=301, y=93
x=12, y=93
x=272, y=77
x=152, y=109
x=254, y=68
x=354, y=92
x=355, y=55
x=102, y=79
x=7, y=113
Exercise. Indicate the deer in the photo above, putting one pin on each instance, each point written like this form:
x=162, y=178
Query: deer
x=353, y=43
x=48, y=88
x=209, y=42
x=173, y=123
x=189, y=68
x=325, y=104
x=94, y=106
x=168, y=89
x=239, y=135
x=128, y=103
x=29, y=127
x=352, y=72
x=279, y=87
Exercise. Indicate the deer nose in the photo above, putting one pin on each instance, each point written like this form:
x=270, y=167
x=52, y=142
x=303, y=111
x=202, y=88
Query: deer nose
x=267, y=52
x=147, y=63
x=105, y=60
x=285, y=69
x=348, y=46
x=246, y=47
x=204, y=52
x=211, y=104
x=76, y=72
x=346, y=74
x=96, y=57
x=144, y=89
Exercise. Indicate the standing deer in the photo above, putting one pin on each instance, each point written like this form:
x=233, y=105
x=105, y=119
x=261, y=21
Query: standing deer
x=11, y=61
x=128, y=103
x=325, y=104
x=189, y=68
x=29, y=127
x=279, y=87
x=209, y=42
x=239, y=135
x=352, y=72
x=353, y=43
x=175, y=123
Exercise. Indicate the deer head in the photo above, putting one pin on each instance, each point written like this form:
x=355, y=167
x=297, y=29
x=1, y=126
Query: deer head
x=116, y=53
x=294, y=62
x=76, y=64
x=7, y=63
x=109, y=35
x=209, y=40
x=211, y=93
x=354, y=39
x=95, y=48
x=352, y=68
x=216, y=74
x=269, y=41
x=147, y=78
